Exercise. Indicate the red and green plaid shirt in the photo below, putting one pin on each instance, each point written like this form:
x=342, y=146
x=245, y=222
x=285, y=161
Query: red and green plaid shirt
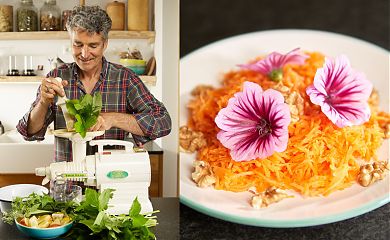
x=122, y=91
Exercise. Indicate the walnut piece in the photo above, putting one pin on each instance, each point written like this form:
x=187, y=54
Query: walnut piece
x=384, y=123
x=370, y=173
x=201, y=89
x=293, y=99
x=203, y=175
x=271, y=195
x=373, y=100
x=190, y=141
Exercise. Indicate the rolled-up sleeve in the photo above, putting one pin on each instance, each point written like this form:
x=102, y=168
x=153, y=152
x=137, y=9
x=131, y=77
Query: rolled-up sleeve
x=22, y=125
x=150, y=114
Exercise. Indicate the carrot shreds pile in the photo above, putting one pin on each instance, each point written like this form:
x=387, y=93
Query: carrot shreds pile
x=320, y=158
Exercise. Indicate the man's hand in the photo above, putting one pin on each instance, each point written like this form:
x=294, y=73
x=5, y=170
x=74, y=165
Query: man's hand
x=50, y=87
x=124, y=121
x=104, y=122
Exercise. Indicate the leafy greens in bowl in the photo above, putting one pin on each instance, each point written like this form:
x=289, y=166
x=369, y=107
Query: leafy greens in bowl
x=89, y=217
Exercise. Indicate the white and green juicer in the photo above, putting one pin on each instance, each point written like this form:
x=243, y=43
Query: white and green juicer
x=126, y=171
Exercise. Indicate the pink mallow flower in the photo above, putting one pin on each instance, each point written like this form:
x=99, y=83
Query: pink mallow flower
x=341, y=92
x=254, y=124
x=273, y=64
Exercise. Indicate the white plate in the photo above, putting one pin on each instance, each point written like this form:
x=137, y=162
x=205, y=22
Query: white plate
x=206, y=65
x=8, y=193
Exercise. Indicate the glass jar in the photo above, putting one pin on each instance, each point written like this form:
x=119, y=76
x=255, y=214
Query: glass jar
x=50, y=16
x=27, y=17
x=6, y=18
x=65, y=15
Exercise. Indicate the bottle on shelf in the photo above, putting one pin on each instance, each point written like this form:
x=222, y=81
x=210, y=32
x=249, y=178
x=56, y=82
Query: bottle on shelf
x=6, y=18
x=50, y=16
x=27, y=17
x=65, y=15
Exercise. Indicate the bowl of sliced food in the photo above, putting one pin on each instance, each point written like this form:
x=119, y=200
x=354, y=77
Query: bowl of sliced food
x=45, y=226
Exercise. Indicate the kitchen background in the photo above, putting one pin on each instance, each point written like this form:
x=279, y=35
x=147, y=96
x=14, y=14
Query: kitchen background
x=40, y=50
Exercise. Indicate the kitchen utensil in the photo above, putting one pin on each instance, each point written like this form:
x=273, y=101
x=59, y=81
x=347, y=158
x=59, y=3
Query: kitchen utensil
x=61, y=102
x=125, y=171
x=64, y=191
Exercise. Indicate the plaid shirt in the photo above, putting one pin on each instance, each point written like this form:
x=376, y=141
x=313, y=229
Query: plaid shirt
x=122, y=91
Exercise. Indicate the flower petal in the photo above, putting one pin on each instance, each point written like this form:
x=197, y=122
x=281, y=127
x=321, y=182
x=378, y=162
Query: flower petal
x=341, y=92
x=276, y=61
x=254, y=124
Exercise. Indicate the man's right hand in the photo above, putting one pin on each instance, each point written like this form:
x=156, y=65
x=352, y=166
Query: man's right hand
x=50, y=87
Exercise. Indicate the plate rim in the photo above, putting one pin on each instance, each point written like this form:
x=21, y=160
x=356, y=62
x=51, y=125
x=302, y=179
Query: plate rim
x=306, y=222
x=286, y=30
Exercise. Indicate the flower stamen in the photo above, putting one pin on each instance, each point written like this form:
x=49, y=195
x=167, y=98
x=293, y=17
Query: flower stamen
x=276, y=75
x=263, y=128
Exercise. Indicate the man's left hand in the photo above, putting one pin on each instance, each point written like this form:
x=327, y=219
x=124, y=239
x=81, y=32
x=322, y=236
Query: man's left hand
x=104, y=122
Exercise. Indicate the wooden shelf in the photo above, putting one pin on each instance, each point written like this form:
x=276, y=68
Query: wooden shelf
x=148, y=80
x=50, y=35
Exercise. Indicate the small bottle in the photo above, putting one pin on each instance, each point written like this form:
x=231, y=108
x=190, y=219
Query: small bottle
x=27, y=17
x=50, y=16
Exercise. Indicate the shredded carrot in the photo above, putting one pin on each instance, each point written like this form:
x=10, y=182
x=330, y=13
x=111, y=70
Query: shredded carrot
x=320, y=158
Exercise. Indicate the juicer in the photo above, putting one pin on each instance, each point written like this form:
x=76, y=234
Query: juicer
x=126, y=171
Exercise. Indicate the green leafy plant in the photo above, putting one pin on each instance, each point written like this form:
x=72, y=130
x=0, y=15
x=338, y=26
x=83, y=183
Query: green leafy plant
x=91, y=221
x=85, y=110
x=35, y=204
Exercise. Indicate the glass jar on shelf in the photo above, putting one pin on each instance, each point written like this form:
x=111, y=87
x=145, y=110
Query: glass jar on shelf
x=65, y=15
x=50, y=16
x=27, y=17
x=6, y=18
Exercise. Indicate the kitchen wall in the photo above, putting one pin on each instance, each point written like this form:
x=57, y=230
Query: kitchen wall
x=15, y=98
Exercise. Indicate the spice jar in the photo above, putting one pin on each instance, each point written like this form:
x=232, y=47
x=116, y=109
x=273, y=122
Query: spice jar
x=50, y=16
x=137, y=15
x=6, y=18
x=27, y=16
x=65, y=15
x=116, y=11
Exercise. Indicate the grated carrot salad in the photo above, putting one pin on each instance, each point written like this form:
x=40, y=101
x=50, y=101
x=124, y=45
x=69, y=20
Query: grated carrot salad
x=320, y=158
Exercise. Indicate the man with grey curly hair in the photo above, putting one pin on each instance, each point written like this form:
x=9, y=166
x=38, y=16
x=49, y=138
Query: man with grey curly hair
x=128, y=106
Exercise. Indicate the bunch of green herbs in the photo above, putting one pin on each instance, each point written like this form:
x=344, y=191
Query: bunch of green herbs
x=35, y=204
x=94, y=221
x=89, y=216
x=85, y=110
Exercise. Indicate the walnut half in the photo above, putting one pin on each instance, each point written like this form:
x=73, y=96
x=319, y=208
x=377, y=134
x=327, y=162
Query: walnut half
x=203, y=175
x=370, y=173
x=293, y=99
x=271, y=195
x=190, y=141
